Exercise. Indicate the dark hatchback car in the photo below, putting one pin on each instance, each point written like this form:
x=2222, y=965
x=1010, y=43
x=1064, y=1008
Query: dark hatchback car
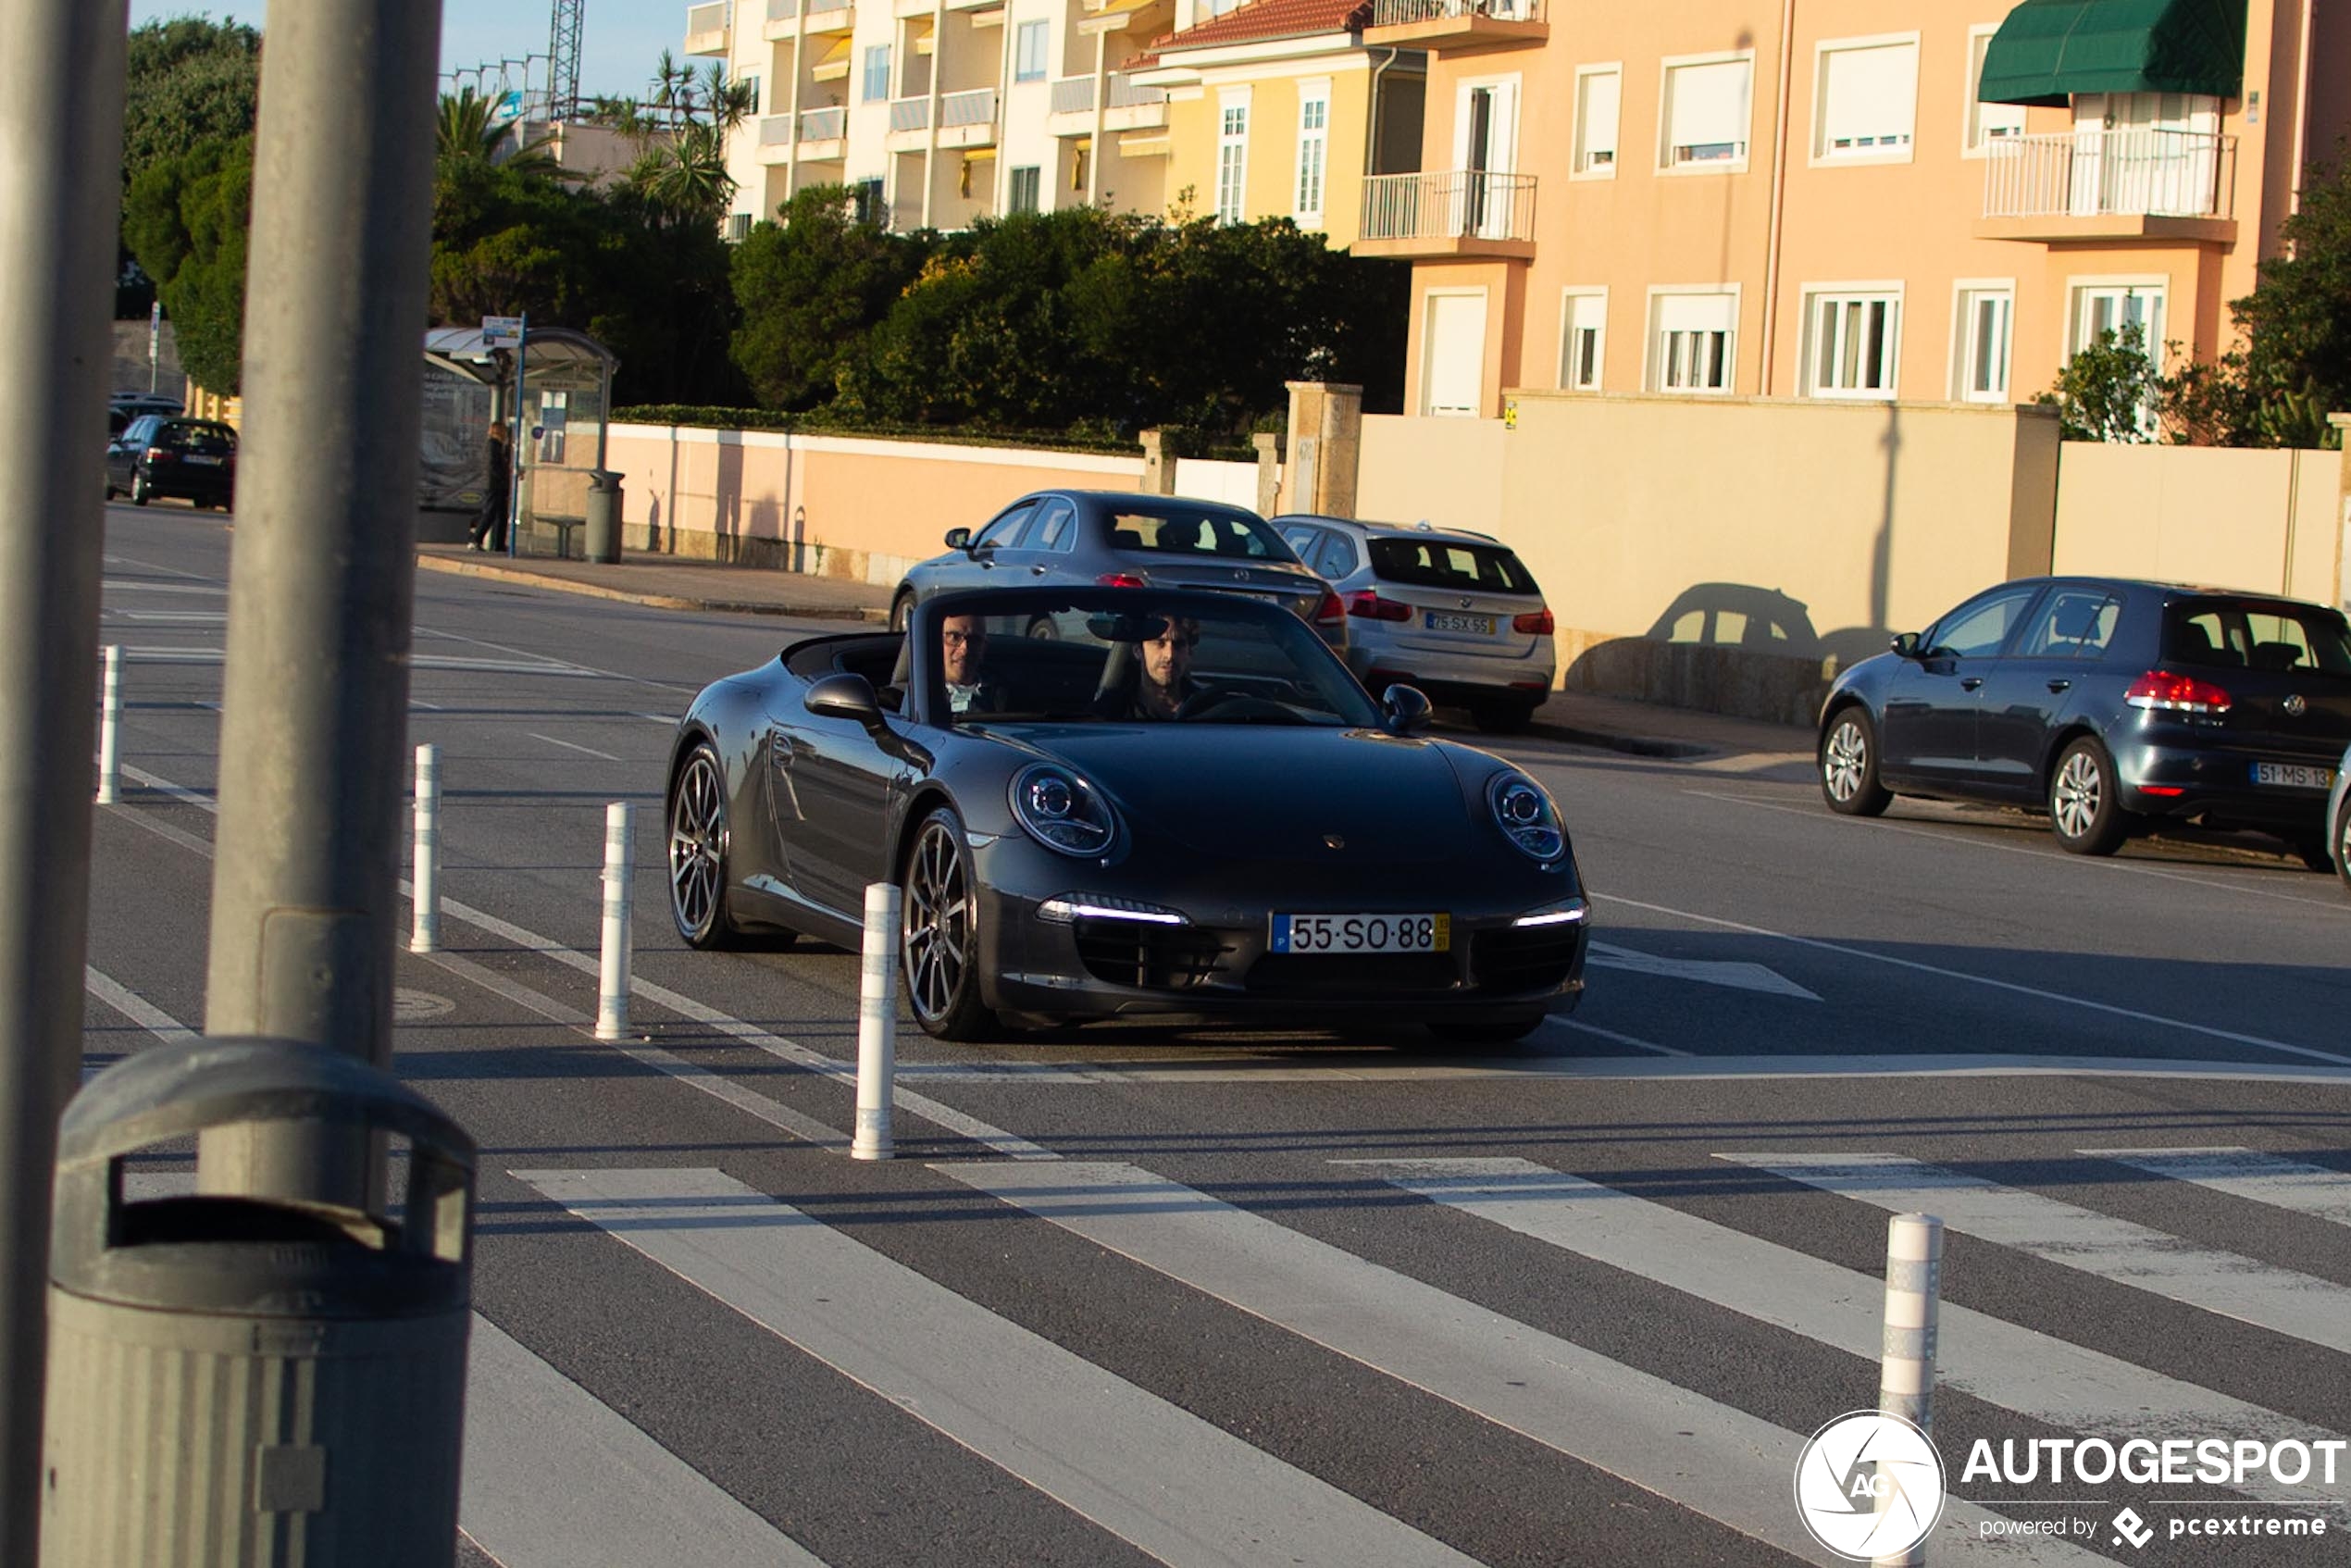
x=1107, y=539
x=157, y=455
x=2111, y=704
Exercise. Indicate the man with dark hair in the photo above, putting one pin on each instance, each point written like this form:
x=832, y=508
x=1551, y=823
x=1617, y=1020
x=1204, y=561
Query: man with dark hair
x=1161, y=678
x=489, y=523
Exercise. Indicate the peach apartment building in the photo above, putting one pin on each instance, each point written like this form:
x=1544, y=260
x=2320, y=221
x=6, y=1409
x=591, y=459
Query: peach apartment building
x=1839, y=198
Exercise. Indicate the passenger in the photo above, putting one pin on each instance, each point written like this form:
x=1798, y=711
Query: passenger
x=964, y=658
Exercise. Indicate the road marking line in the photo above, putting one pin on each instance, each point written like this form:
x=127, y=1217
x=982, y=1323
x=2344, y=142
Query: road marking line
x=2052, y=857
x=556, y=1478
x=1712, y=1459
x=2043, y=1378
x=582, y=669
x=2269, y=1179
x=1636, y=1043
x=1172, y=1485
x=669, y=720
x=573, y=746
x=2315, y=1311
x=1736, y=974
x=2132, y=1014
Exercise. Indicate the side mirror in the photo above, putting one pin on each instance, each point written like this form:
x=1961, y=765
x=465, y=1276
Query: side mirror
x=959, y=539
x=1906, y=644
x=1403, y=710
x=845, y=696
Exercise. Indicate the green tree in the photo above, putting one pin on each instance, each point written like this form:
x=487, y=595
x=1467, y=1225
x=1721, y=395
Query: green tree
x=2108, y=391
x=467, y=129
x=185, y=221
x=679, y=129
x=188, y=81
x=807, y=289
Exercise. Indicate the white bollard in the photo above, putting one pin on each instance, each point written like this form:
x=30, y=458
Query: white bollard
x=110, y=730
x=1906, y=1381
x=877, y=1024
x=612, y=1001
x=424, y=935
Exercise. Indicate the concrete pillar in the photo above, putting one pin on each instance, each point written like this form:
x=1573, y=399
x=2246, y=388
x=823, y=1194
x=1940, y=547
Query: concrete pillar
x=1269, y=472
x=1159, y=465
x=1325, y=439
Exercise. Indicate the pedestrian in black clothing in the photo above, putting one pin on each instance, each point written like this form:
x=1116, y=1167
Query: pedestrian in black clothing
x=489, y=523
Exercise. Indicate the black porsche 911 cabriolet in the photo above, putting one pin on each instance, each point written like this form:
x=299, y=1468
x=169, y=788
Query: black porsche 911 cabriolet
x=1192, y=809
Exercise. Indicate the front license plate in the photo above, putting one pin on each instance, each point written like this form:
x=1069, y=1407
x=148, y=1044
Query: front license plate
x=1445, y=620
x=1362, y=933
x=2293, y=775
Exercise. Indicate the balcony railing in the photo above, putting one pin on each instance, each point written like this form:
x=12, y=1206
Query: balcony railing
x=1403, y=13
x=1073, y=96
x=2101, y=173
x=1126, y=93
x=1455, y=205
x=910, y=114
x=775, y=131
x=824, y=125
x=977, y=106
x=710, y=18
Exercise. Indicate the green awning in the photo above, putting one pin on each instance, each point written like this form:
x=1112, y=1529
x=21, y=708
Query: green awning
x=2048, y=50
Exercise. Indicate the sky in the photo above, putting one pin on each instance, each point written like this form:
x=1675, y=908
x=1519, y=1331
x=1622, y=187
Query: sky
x=619, y=39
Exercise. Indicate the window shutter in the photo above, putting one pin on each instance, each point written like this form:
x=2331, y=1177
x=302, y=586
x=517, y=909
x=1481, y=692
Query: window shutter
x=1708, y=105
x=1696, y=313
x=1870, y=97
x=1600, y=100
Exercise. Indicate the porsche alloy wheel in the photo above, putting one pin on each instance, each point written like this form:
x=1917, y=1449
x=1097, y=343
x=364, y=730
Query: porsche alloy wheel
x=697, y=850
x=939, y=945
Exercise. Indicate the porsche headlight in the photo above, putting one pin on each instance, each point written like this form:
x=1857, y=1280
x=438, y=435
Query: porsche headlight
x=1526, y=816
x=1063, y=812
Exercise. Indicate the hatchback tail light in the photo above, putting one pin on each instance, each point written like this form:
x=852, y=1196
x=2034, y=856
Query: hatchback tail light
x=1366, y=603
x=2164, y=691
x=1122, y=579
x=1535, y=623
x=1330, y=607
x=157, y=455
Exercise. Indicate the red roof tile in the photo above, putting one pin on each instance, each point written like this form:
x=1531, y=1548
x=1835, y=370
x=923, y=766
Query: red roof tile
x=1260, y=20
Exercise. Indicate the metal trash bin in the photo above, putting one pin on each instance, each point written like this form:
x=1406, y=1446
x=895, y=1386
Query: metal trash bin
x=603, y=515
x=244, y=1381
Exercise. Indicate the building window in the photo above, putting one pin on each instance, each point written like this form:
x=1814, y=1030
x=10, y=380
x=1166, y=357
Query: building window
x=1981, y=341
x=1705, y=112
x=876, y=83
x=1986, y=123
x=868, y=203
x=1453, y=355
x=739, y=225
x=1597, y=93
x=1694, y=341
x=1853, y=343
x=1583, y=339
x=1026, y=183
x=1232, y=159
x=751, y=91
x=1314, y=150
x=1028, y=51
x=1868, y=95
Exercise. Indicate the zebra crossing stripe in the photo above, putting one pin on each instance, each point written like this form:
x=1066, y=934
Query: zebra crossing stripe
x=556, y=1478
x=1175, y=1486
x=2046, y=1379
x=2315, y=1311
x=1695, y=1453
x=2269, y=1179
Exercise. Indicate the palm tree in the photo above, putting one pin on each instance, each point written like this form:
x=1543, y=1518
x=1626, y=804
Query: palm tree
x=468, y=130
x=680, y=130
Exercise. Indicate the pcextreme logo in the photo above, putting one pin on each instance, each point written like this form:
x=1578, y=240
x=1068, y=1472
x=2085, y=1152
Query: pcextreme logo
x=1869, y=1485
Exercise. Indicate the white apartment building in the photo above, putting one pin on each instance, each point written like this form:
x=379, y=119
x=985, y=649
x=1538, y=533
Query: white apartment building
x=939, y=112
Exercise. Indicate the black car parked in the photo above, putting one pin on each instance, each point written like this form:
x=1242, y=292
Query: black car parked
x=2111, y=704
x=158, y=454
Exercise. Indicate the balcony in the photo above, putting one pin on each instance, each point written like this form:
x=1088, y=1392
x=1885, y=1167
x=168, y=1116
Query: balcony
x=1449, y=213
x=909, y=124
x=824, y=133
x=706, y=28
x=1073, y=96
x=775, y=139
x=828, y=16
x=1457, y=27
x=967, y=119
x=781, y=24
x=1133, y=107
x=2094, y=185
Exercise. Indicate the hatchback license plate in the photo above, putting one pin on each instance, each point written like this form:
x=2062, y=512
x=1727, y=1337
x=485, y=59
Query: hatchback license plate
x=1362, y=933
x=1445, y=620
x=206, y=462
x=2293, y=775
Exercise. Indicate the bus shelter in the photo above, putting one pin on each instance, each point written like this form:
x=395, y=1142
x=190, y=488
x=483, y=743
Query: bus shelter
x=567, y=404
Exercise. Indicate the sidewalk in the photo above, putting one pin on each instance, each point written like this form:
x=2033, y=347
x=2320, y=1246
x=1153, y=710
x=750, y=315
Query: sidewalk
x=665, y=582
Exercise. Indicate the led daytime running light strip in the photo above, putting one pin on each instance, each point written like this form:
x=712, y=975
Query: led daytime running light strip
x=1567, y=915
x=1077, y=906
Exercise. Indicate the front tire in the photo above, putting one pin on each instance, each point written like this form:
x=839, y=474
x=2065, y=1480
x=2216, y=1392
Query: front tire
x=939, y=930
x=698, y=843
x=1848, y=762
x=2084, y=811
x=901, y=610
x=139, y=491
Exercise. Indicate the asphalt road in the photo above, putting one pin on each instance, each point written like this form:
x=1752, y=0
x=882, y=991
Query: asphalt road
x=1138, y=1294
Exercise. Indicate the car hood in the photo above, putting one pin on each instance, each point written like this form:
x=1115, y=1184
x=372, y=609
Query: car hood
x=1267, y=793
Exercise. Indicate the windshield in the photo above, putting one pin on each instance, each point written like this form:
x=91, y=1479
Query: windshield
x=1450, y=563
x=1191, y=660
x=2251, y=634
x=1186, y=531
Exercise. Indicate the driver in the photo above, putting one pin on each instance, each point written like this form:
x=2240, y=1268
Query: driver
x=962, y=651
x=1164, y=678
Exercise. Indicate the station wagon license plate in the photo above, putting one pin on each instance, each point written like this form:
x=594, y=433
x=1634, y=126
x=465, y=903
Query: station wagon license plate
x=2293, y=775
x=1362, y=933
x=1445, y=620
